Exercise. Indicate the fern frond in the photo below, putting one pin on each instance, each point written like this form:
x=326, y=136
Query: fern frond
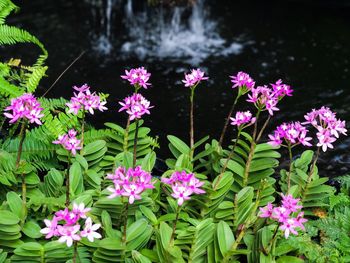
x=6, y=7
x=33, y=78
x=9, y=90
x=10, y=35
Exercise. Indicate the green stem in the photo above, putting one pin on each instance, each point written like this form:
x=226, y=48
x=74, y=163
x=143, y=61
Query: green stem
x=251, y=151
x=68, y=181
x=263, y=129
x=244, y=227
x=22, y=135
x=192, y=122
x=313, y=165
x=222, y=136
x=310, y=173
x=273, y=239
x=227, y=160
x=126, y=136
x=75, y=253
x=175, y=223
x=135, y=142
x=24, y=198
x=290, y=166
x=82, y=131
x=125, y=221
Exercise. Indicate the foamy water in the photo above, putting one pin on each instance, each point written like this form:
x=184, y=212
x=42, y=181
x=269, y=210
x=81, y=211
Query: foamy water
x=181, y=33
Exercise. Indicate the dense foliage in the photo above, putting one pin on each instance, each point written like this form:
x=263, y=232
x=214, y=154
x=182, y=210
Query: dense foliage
x=73, y=193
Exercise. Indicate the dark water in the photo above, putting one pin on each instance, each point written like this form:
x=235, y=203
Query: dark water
x=304, y=43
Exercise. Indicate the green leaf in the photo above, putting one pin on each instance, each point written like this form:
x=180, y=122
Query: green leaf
x=225, y=237
x=149, y=214
x=93, y=147
x=32, y=229
x=289, y=259
x=76, y=179
x=8, y=218
x=165, y=234
x=179, y=144
x=15, y=204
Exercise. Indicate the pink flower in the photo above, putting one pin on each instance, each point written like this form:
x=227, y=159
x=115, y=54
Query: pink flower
x=133, y=191
x=80, y=210
x=136, y=106
x=242, y=79
x=281, y=89
x=290, y=203
x=288, y=227
x=137, y=77
x=86, y=101
x=25, y=107
x=130, y=183
x=66, y=225
x=68, y=234
x=69, y=141
x=192, y=79
x=181, y=193
x=292, y=133
x=89, y=230
x=327, y=125
x=243, y=118
x=183, y=185
x=266, y=212
x=51, y=228
x=266, y=98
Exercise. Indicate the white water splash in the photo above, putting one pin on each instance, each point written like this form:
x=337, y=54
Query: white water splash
x=179, y=33
x=193, y=38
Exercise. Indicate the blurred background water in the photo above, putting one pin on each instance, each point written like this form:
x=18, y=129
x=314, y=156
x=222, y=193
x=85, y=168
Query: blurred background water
x=306, y=43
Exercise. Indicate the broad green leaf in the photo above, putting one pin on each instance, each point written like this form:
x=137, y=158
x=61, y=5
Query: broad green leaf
x=179, y=144
x=225, y=237
x=15, y=204
x=32, y=229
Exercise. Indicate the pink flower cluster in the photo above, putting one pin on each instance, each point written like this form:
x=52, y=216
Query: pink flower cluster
x=327, y=125
x=292, y=133
x=71, y=226
x=266, y=98
x=183, y=186
x=85, y=100
x=69, y=141
x=24, y=107
x=284, y=215
x=136, y=106
x=192, y=79
x=242, y=79
x=130, y=183
x=243, y=117
x=137, y=77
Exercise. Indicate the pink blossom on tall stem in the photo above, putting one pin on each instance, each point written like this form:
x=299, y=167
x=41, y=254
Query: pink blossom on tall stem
x=183, y=186
x=328, y=126
x=243, y=117
x=137, y=77
x=242, y=79
x=66, y=225
x=194, y=77
x=89, y=230
x=265, y=98
x=24, y=107
x=136, y=106
x=285, y=216
x=86, y=101
x=69, y=141
x=130, y=183
x=68, y=234
x=292, y=133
